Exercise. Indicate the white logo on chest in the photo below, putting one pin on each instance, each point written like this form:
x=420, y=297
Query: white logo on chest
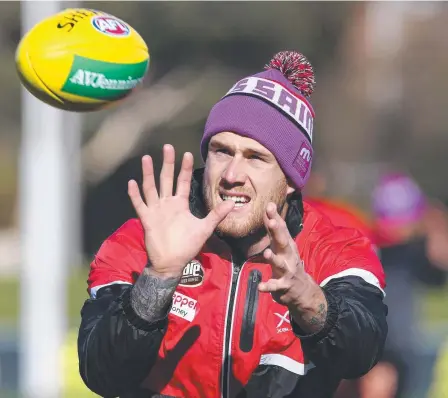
x=284, y=319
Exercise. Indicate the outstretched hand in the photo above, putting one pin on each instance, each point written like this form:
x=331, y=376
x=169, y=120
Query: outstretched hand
x=173, y=235
x=290, y=285
x=287, y=268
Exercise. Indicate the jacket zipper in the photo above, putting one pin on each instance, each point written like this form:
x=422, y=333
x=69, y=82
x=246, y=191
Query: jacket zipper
x=227, y=364
x=250, y=311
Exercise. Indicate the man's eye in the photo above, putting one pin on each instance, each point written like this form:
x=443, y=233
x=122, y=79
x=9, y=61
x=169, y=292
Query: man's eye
x=224, y=151
x=255, y=157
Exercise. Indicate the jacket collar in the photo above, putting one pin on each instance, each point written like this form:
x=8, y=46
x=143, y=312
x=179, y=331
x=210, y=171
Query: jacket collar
x=294, y=217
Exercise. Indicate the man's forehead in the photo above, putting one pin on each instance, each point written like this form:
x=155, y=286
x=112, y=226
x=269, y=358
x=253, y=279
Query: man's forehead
x=238, y=141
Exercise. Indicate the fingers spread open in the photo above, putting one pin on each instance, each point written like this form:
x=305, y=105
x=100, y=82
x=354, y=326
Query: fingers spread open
x=136, y=198
x=185, y=174
x=277, y=229
x=149, y=183
x=167, y=172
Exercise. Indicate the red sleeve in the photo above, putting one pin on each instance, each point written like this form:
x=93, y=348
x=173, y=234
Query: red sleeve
x=120, y=259
x=348, y=253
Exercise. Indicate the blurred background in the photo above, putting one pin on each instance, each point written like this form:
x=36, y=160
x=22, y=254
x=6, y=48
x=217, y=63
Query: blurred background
x=380, y=103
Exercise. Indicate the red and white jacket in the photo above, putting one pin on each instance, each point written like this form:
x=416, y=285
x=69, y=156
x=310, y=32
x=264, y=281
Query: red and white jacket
x=222, y=338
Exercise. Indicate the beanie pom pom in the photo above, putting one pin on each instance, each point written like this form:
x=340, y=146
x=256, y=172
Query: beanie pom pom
x=296, y=68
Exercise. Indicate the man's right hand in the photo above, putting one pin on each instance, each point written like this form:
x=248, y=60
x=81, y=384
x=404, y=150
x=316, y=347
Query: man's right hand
x=173, y=235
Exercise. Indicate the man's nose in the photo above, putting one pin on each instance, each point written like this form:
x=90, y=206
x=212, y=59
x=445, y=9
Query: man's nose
x=234, y=173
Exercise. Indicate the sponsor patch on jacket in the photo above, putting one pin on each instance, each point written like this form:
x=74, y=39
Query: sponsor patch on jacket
x=184, y=307
x=283, y=323
x=193, y=274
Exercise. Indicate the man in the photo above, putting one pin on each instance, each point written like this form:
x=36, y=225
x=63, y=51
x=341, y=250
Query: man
x=232, y=287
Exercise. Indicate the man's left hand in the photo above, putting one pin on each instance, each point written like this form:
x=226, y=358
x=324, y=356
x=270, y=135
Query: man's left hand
x=290, y=284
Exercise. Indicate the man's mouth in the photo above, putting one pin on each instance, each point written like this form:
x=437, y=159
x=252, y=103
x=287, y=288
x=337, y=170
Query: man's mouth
x=240, y=200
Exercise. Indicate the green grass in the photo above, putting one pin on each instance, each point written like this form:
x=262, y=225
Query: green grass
x=77, y=294
x=433, y=307
x=10, y=297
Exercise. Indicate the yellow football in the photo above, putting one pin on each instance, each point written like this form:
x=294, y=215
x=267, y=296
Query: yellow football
x=82, y=60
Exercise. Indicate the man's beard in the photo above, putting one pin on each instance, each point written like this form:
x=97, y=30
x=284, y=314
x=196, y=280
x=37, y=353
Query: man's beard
x=251, y=227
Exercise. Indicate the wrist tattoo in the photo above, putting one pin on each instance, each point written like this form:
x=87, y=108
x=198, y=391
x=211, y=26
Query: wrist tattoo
x=318, y=320
x=311, y=318
x=151, y=295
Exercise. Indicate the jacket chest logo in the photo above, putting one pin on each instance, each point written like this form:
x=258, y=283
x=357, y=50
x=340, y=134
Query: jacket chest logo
x=284, y=324
x=184, y=307
x=193, y=274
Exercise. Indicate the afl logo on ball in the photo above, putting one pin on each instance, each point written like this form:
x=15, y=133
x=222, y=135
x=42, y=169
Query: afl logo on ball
x=193, y=274
x=111, y=26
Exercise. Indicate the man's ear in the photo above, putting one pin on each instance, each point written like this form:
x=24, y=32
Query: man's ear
x=290, y=190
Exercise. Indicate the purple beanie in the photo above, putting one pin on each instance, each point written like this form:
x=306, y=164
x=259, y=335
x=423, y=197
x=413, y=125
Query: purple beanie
x=272, y=108
x=397, y=199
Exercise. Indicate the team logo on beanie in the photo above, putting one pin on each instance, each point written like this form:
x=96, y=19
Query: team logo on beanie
x=294, y=107
x=302, y=162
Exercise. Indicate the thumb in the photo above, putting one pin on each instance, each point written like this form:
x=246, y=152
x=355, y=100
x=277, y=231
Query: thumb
x=218, y=214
